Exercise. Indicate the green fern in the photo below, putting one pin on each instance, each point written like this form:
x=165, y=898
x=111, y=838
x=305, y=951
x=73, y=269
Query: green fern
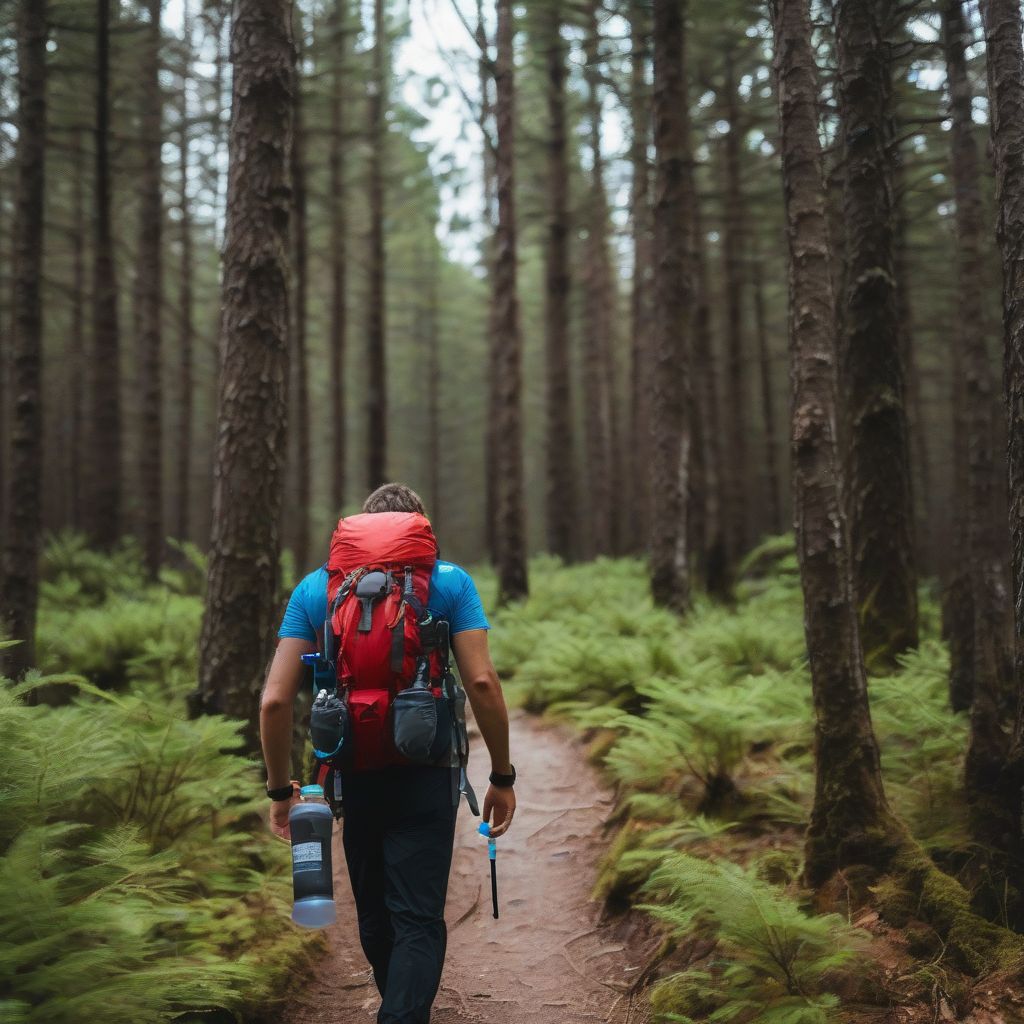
x=137, y=879
x=775, y=963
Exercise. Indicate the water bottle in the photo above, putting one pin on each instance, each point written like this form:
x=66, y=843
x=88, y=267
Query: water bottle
x=311, y=823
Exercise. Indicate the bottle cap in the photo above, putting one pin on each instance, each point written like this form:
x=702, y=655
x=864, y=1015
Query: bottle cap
x=312, y=791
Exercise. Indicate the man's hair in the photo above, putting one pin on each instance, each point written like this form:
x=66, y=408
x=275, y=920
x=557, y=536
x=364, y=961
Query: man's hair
x=393, y=498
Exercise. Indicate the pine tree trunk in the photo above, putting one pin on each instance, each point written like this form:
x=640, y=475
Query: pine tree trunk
x=338, y=219
x=598, y=315
x=709, y=547
x=219, y=20
x=433, y=376
x=376, y=388
x=736, y=468
x=638, y=503
x=186, y=322
x=22, y=527
x=771, y=469
x=958, y=589
x=1002, y=21
x=297, y=512
x=672, y=296
x=878, y=463
x=5, y=373
x=75, y=416
x=485, y=75
x=150, y=293
x=510, y=523
x=241, y=599
x=850, y=817
x=992, y=670
x=103, y=504
x=560, y=492
x=926, y=533
x=698, y=470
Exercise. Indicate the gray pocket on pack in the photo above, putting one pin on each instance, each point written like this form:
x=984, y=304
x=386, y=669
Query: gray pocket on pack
x=415, y=724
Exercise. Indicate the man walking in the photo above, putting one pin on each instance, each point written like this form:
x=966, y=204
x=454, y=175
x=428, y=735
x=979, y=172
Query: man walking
x=399, y=820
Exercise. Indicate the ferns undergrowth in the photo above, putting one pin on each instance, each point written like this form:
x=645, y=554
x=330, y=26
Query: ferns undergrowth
x=137, y=879
x=139, y=884
x=706, y=727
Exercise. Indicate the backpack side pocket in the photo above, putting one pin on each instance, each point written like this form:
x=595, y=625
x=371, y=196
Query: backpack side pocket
x=415, y=723
x=329, y=728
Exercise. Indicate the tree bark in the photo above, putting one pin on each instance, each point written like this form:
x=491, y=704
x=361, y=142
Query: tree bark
x=21, y=541
x=75, y=415
x=709, y=551
x=376, y=389
x=850, y=818
x=150, y=293
x=432, y=344
x=1002, y=21
x=672, y=296
x=926, y=532
x=771, y=469
x=103, y=506
x=186, y=323
x=598, y=320
x=298, y=512
x=511, y=525
x=485, y=75
x=736, y=468
x=241, y=599
x=338, y=218
x=992, y=668
x=638, y=502
x=560, y=492
x=878, y=463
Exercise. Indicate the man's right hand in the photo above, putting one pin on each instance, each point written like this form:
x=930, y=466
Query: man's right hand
x=279, y=814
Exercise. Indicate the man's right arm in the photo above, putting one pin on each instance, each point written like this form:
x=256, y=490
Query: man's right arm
x=282, y=687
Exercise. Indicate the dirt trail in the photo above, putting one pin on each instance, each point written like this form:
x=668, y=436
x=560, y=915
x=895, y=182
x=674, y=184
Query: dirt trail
x=547, y=960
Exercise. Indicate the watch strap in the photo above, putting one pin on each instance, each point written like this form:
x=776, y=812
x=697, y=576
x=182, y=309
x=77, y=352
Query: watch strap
x=503, y=781
x=281, y=793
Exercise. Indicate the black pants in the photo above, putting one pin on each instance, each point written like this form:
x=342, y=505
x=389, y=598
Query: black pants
x=398, y=835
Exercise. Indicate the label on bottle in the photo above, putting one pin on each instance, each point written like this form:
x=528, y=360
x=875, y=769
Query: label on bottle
x=307, y=856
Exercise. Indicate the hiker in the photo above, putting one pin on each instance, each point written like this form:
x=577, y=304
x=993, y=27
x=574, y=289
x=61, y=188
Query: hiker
x=398, y=819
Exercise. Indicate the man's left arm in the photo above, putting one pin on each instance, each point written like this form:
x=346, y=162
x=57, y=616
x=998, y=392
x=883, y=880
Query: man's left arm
x=483, y=688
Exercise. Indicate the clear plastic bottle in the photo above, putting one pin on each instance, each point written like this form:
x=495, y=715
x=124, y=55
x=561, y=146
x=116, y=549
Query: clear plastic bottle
x=311, y=823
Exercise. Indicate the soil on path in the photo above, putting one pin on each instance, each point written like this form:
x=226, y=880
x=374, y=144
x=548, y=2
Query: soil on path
x=548, y=959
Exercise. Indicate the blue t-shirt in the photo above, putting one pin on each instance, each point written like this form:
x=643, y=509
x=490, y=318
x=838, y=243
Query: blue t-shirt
x=453, y=596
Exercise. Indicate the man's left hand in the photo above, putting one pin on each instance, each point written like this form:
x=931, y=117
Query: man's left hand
x=499, y=805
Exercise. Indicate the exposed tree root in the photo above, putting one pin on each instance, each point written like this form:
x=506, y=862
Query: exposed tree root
x=908, y=886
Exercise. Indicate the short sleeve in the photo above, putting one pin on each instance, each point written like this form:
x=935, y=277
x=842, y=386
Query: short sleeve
x=467, y=610
x=297, y=623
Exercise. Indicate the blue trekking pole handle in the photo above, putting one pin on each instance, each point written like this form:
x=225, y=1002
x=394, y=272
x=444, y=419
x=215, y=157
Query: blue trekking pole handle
x=492, y=853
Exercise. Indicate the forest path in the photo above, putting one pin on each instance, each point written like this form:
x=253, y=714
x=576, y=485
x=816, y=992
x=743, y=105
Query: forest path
x=548, y=959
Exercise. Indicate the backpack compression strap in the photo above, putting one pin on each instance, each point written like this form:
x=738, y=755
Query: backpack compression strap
x=460, y=737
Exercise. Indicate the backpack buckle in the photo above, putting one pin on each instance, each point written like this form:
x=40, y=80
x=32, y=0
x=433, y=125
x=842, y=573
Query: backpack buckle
x=370, y=588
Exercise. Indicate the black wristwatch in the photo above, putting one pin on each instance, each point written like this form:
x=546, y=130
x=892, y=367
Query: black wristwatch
x=503, y=781
x=281, y=793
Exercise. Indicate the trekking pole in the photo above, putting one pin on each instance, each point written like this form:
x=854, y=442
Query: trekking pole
x=492, y=852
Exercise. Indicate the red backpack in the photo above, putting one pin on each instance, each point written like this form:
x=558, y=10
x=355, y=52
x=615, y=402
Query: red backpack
x=379, y=632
